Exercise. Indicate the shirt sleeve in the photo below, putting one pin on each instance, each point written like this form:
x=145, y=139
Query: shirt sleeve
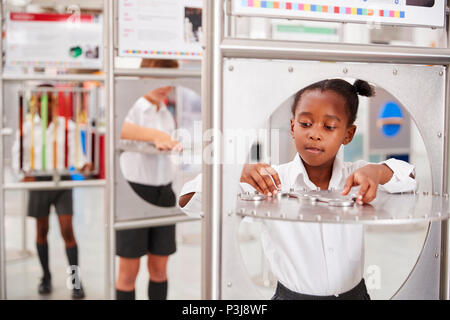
x=194, y=207
x=401, y=180
x=134, y=114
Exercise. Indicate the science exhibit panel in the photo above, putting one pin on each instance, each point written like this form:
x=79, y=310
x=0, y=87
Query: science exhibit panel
x=166, y=29
x=53, y=40
x=243, y=80
x=390, y=12
x=68, y=130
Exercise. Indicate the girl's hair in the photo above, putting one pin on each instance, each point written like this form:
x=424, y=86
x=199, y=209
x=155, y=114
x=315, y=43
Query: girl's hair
x=346, y=90
x=159, y=63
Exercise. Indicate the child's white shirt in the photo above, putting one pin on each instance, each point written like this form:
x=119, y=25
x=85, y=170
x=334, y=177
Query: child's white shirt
x=314, y=258
x=148, y=169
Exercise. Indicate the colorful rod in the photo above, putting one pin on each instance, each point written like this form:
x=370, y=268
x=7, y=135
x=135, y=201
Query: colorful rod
x=32, y=112
x=44, y=122
x=77, y=128
x=21, y=129
x=55, y=130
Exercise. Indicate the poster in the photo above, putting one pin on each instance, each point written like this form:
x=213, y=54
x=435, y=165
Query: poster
x=54, y=40
x=160, y=28
x=391, y=12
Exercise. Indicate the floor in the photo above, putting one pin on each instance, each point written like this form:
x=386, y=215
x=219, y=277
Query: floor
x=391, y=252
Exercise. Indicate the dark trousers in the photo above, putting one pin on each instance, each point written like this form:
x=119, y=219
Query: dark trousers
x=357, y=293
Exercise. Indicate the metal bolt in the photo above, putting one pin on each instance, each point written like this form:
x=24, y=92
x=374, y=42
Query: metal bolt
x=441, y=73
x=231, y=68
x=291, y=69
x=436, y=255
x=229, y=284
x=439, y=134
x=345, y=70
x=395, y=72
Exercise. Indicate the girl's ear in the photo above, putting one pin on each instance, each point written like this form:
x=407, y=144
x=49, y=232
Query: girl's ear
x=292, y=127
x=349, y=134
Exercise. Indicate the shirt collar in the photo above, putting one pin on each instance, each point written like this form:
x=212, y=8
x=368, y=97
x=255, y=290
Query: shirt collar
x=148, y=105
x=297, y=170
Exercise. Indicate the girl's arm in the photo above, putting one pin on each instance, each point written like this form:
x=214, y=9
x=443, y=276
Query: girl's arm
x=185, y=198
x=393, y=176
x=162, y=140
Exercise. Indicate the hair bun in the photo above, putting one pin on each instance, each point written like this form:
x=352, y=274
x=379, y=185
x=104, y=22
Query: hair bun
x=363, y=88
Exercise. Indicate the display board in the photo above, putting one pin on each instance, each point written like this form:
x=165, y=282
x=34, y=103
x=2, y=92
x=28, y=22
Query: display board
x=54, y=40
x=392, y=12
x=160, y=28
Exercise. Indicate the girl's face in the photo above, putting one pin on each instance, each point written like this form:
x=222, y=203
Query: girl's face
x=159, y=94
x=320, y=127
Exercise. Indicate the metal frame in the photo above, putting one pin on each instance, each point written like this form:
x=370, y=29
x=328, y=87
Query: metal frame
x=217, y=47
x=38, y=185
x=114, y=73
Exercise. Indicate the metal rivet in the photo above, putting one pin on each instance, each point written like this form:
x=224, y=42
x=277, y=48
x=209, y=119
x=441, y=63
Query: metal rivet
x=439, y=134
x=436, y=255
x=290, y=69
x=441, y=73
x=300, y=217
x=268, y=213
x=230, y=213
x=229, y=284
x=345, y=70
x=395, y=72
x=319, y=218
x=231, y=68
x=242, y=210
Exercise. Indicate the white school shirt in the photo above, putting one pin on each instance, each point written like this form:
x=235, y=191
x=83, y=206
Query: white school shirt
x=148, y=169
x=313, y=258
x=73, y=160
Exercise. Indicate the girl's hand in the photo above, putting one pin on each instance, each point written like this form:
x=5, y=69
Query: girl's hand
x=164, y=142
x=262, y=177
x=368, y=178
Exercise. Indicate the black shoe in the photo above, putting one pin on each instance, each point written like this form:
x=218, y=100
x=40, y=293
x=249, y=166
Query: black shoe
x=45, y=287
x=78, y=293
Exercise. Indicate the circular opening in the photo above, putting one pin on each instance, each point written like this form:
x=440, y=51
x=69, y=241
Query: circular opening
x=391, y=252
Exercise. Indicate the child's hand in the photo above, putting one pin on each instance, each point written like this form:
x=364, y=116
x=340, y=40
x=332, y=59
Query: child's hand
x=262, y=177
x=368, y=178
x=164, y=142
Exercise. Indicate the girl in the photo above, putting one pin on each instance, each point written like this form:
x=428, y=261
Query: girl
x=311, y=260
x=150, y=176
